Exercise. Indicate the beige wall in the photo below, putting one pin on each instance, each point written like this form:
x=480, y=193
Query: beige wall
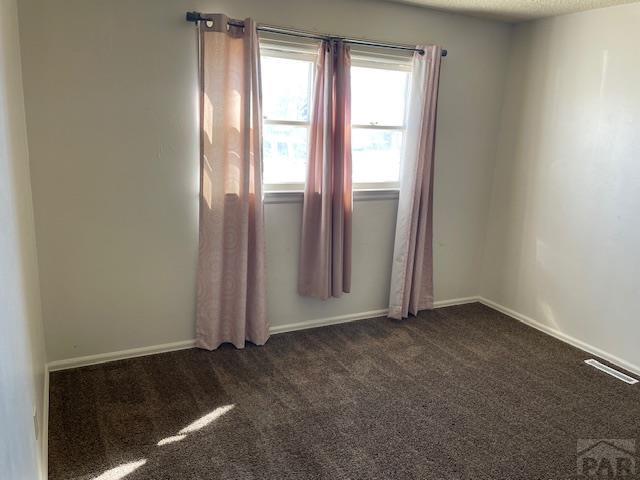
x=564, y=236
x=22, y=355
x=111, y=108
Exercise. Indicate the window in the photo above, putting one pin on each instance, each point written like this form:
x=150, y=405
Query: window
x=378, y=93
x=287, y=84
x=378, y=97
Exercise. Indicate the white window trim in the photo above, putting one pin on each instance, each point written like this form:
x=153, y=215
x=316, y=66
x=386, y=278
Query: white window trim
x=292, y=192
x=378, y=126
x=364, y=195
x=283, y=187
x=380, y=62
x=298, y=123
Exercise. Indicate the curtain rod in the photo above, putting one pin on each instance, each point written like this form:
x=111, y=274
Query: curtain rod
x=196, y=17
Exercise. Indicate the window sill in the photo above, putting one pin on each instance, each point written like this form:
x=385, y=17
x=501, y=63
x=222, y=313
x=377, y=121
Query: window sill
x=296, y=196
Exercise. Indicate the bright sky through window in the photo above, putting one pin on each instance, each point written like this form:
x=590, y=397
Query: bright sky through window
x=286, y=93
x=377, y=117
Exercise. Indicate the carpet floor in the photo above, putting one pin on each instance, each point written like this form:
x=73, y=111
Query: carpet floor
x=462, y=392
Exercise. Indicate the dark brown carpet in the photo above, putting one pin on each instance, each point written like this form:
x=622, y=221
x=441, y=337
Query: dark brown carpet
x=458, y=393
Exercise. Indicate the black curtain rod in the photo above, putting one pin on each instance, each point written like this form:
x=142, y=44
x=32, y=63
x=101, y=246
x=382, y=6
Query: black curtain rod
x=196, y=17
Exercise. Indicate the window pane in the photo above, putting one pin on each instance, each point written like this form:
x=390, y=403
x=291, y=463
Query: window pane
x=378, y=96
x=376, y=155
x=285, y=153
x=286, y=86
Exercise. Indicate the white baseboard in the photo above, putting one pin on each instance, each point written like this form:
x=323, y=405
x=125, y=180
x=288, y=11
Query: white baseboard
x=455, y=301
x=619, y=362
x=44, y=440
x=352, y=317
x=323, y=322
x=170, y=347
x=119, y=355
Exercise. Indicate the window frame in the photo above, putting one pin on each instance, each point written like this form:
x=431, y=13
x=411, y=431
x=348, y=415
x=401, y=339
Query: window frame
x=290, y=52
x=393, y=63
x=304, y=52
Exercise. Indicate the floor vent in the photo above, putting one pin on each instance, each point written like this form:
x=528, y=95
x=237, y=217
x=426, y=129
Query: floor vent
x=611, y=371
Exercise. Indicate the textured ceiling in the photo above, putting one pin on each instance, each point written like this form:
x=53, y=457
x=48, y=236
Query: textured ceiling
x=515, y=10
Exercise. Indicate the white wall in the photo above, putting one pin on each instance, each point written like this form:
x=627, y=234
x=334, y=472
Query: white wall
x=22, y=356
x=111, y=108
x=564, y=235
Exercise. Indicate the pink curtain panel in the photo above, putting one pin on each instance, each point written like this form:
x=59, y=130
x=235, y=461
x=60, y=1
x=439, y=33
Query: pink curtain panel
x=325, y=249
x=231, y=297
x=412, y=269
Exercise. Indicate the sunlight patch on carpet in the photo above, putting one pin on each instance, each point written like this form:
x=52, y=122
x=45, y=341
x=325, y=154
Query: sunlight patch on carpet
x=207, y=419
x=173, y=439
x=121, y=471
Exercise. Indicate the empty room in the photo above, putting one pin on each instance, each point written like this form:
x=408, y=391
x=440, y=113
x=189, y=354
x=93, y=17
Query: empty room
x=304, y=239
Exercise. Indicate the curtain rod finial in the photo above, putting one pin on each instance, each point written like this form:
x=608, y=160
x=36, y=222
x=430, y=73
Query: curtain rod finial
x=193, y=17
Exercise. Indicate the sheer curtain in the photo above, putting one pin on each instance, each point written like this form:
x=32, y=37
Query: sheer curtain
x=325, y=250
x=412, y=270
x=231, y=299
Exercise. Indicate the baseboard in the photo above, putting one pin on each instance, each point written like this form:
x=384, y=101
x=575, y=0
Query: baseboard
x=44, y=441
x=619, y=362
x=119, y=355
x=323, y=322
x=455, y=301
x=170, y=347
